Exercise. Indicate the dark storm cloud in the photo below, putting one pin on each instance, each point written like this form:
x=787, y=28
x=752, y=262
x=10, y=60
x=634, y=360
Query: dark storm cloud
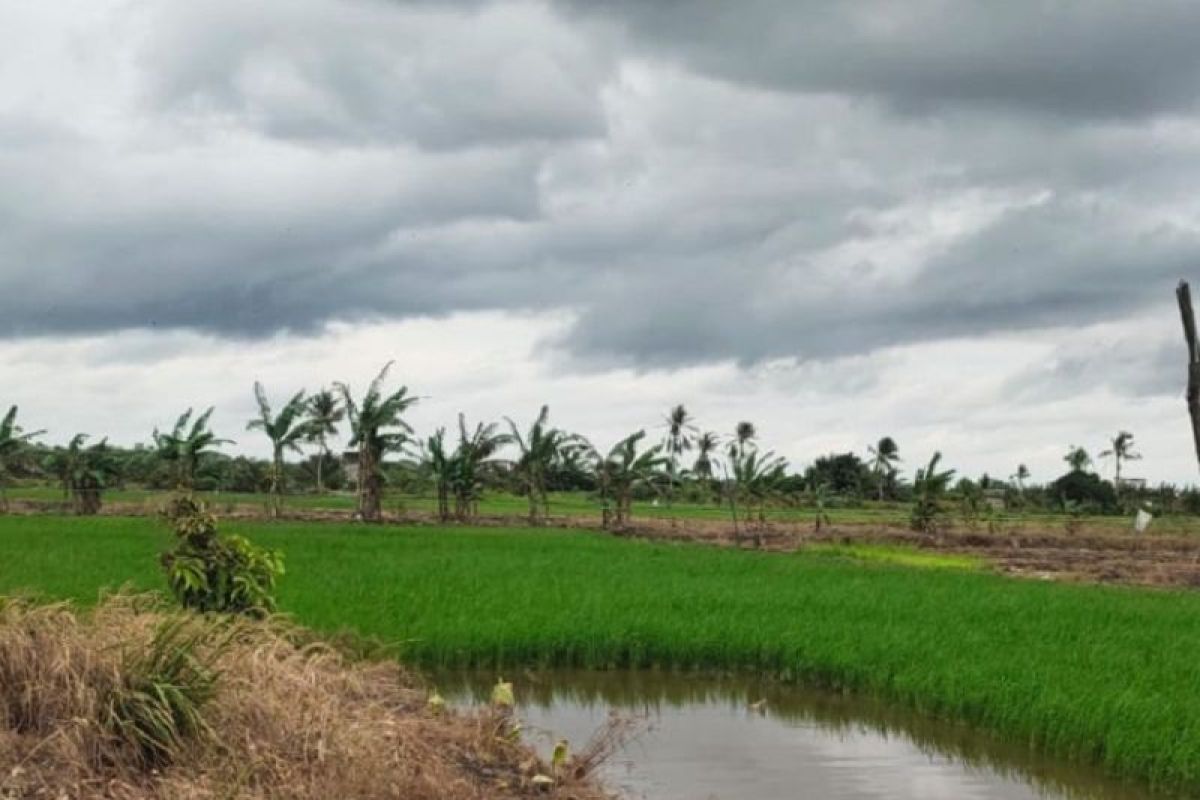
x=1093, y=58
x=695, y=181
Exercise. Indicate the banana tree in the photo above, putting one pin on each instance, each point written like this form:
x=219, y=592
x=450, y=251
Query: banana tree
x=184, y=445
x=440, y=466
x=286, y=430
x=91, y=471
x=13, y=441
x=476, y=451
x=622, y=470
x=754, y=479
x=539, y=448
x=377, y=427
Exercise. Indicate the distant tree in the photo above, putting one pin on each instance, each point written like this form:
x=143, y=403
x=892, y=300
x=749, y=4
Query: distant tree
x=706, y=448
x=476, y=448
x=743, y=437
x=91, y=470
x=13, y=444
x=884, y=457
x=820, y=501
x=1121, y=450
x=286, y=430
x=1085, y=491
x=183, y=446
x=439, y=464
x=1020, y=476
x=621, y=470
x=677, y=441
x=842, y=473
x=377, y=427
x=1077, y=459
x=539, y=447
x=324, y=414
x=753, y=480
x=929, y=487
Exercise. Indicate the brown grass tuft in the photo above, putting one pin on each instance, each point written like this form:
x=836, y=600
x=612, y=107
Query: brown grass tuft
x=242, y=709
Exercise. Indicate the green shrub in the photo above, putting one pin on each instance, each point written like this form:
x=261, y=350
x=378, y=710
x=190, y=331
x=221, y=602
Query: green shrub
x=210, y=572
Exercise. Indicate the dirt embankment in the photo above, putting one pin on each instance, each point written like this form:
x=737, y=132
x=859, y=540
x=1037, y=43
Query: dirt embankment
x=135, y=702
x=1092, y=555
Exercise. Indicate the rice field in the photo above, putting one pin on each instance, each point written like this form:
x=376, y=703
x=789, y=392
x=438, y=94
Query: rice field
x=1098, y=674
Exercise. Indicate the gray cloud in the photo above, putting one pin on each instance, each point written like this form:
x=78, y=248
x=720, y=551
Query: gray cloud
x=795, y=181
x=1091, y=59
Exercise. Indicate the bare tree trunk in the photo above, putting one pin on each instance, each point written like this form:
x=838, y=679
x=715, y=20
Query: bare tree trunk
x=1184, y=295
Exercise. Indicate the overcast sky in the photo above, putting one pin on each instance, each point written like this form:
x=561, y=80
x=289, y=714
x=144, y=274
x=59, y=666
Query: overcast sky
x=956, y=223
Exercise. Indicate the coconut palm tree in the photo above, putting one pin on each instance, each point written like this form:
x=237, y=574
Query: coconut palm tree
x=676, y=442
x=286, y=430
x=324, y=414
x=184, y=445
x=1121, y=450
x=377, y=427
x=706, y=448
x=539, y=448
x=884, y=457
x=1020, y=476
x=743, y=437
x=621, y=470
x=13, y=441
x=1077, y=459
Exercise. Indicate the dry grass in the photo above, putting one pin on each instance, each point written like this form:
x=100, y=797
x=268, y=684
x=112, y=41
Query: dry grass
x=132, y=700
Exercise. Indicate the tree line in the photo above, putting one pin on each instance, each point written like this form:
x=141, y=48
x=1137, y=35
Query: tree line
x=677, y=461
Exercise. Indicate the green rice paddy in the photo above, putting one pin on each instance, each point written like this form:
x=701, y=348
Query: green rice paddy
x=1098, y=674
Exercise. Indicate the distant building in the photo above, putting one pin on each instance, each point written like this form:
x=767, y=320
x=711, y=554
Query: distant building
x=1131, y=483
x=350, y=466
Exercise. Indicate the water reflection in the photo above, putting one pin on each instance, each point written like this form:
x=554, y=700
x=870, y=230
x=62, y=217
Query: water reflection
x=731, y=738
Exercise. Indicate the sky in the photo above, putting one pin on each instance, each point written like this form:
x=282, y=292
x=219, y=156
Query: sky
x=959, y=224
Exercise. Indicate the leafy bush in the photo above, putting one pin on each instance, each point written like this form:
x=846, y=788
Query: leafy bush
x=210, y=572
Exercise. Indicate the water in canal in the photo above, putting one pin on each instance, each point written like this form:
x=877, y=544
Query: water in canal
x=742, y=739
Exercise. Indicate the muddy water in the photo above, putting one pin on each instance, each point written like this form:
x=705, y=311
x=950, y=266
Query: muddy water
x=726, y=739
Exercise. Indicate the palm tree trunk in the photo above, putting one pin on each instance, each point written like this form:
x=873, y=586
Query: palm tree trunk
x=368, y=486
x=321, y=456
x=277, y=484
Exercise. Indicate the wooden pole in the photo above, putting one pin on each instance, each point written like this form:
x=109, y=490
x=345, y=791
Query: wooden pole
x=1184, y=295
